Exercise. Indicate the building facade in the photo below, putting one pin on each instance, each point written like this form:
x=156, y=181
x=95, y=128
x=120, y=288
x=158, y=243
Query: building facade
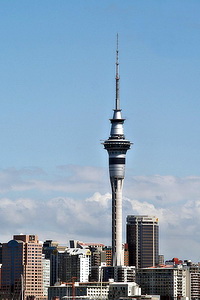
x=50, y=250
x=170, y=282
x=22, y=269
x=80, y=291
x=74, y=264
x=46, y=275
x=120, y=289
x=119, y=273
x=142, y=235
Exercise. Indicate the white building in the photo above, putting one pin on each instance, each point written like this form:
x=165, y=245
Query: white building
x=96, y=290
x=46, y=274
x=74, y=264
x=123, y=289
x=89, y=290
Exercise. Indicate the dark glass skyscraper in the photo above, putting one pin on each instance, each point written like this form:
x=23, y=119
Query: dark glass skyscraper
x=142, y=234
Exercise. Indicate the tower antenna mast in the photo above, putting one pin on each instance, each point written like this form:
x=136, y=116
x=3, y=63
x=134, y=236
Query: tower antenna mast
x=117, y=104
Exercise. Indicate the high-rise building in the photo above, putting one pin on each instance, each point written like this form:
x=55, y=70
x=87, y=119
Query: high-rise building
x=74, y=263
x=142, y=234
x=46, y=275
x=22, y=270
x=98, y=257
x=50, y=250
x=117, y=146
x=126, y=255
x=194, y=281
x=108, y=250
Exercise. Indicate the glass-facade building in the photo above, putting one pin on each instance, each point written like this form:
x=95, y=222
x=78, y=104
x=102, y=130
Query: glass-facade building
x=142, y=235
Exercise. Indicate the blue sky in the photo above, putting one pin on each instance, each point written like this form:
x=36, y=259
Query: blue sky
x=57, y=92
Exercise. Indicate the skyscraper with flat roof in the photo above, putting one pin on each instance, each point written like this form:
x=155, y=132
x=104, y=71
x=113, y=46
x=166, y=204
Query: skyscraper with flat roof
x=142, y=235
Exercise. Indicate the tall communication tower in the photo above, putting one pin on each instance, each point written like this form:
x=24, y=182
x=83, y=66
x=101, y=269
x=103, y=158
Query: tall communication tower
x=117, y=146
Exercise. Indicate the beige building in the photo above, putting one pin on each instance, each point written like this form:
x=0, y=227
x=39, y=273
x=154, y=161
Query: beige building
x=22, y=270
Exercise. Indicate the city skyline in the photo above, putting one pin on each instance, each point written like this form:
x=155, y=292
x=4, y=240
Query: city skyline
x=57, y=92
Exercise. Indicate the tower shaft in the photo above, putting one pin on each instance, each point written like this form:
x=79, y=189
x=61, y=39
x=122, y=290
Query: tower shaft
x=117, y=221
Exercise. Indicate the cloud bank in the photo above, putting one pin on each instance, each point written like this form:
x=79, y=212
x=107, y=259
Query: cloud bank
x=75, y=203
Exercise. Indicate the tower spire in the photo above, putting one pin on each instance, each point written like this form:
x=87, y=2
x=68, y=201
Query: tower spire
x=117, y=104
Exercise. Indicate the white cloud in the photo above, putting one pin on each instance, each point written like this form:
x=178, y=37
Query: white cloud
x=163, y=189
x=165, y=215
x=101, y=199
x=75, y=203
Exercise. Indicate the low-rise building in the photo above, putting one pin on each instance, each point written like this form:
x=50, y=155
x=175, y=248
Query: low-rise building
x=123, y=289
x=78, y=290
x=170, y=282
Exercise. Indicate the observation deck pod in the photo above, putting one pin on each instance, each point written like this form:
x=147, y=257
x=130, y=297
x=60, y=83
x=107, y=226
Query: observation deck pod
x=117, y=149
x=114, y=144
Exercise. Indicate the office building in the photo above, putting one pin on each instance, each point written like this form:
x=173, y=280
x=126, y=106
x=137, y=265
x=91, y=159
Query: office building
x=117, y=146
x=118, y=273
x=22, y=270
x=108, y=250
x=46, y=275
x=74, y=263
x=161, y=259
x=98, y=255
x=194, y=279
x=142, y=235
x=170, y=282
x=50, y=250
x=126, y=255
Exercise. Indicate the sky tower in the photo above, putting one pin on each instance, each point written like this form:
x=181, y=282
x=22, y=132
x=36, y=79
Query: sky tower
x=117, y=146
